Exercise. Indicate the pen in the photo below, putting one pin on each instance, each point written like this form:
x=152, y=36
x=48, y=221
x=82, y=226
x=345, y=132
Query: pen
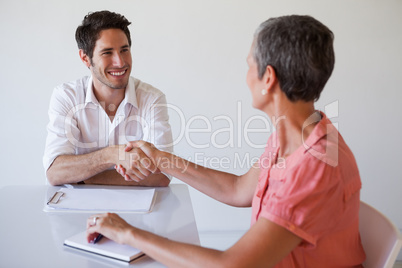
x=98, y=238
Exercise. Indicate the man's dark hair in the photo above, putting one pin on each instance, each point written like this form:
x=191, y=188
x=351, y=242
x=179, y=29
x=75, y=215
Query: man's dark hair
x=300, y=50
x=88, y=32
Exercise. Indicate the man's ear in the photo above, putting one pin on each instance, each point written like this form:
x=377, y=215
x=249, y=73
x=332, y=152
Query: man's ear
x=269, y=78
x=84, y=58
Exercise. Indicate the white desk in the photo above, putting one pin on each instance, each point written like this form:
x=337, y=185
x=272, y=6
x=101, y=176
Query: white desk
x=30, y=237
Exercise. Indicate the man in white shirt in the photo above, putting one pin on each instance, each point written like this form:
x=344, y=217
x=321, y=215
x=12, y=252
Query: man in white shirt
x=92, y=119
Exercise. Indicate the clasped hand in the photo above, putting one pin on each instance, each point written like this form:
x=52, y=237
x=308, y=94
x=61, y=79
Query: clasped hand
x=135, y=162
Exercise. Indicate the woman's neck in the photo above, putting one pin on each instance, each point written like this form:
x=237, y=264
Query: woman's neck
x=291, y=123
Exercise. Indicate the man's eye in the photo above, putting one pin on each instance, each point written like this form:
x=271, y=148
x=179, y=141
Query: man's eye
x=106, y=53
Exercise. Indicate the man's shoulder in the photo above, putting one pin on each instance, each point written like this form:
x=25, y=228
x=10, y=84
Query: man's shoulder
x=75, y=87
x=142, y=88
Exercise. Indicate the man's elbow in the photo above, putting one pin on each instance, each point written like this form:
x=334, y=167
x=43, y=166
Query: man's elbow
x=52, y=178
x=165, y=182
x=161, y=180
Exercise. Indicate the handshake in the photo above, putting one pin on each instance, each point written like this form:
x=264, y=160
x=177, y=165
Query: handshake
x=137, y=160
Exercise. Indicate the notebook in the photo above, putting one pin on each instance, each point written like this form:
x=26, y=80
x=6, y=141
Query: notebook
x=100, y=200
x=105, y=247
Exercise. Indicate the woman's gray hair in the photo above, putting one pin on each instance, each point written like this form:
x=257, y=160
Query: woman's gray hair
x=300, y=50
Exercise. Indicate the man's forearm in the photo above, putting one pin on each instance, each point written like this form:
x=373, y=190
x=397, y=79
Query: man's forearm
x=76, y=168
x=94, y=168
x=111, y=177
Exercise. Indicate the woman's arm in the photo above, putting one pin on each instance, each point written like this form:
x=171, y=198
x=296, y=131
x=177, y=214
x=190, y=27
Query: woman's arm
x=264, y=245
x=225, y=187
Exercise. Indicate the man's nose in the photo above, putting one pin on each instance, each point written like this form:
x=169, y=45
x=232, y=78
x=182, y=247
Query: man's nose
x=118, y=60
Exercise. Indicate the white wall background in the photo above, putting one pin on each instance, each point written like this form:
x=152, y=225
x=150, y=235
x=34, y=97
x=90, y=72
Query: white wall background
x=195, y=51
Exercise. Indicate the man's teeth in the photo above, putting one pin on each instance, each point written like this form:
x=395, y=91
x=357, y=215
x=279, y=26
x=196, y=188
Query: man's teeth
x=117, y=73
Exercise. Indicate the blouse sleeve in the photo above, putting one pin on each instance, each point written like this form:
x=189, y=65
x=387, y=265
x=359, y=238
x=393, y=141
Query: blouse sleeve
x=305, y=199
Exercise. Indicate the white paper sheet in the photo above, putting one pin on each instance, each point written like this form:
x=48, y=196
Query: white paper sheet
x=127, y=200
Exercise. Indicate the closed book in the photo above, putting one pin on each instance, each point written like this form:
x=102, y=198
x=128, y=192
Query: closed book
x=104, y=247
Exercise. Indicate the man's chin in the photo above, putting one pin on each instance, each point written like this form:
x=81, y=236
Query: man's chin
x=118, y=85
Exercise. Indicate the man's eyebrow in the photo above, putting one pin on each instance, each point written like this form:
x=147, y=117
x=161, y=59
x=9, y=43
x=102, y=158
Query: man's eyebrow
x=106, y=49
x=110, y=49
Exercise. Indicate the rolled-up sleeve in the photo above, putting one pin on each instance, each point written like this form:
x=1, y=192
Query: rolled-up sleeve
x=61, y=126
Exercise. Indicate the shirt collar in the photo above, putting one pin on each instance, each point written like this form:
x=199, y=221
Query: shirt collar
x=130, y=95
x=90, y=95
x=324, y=128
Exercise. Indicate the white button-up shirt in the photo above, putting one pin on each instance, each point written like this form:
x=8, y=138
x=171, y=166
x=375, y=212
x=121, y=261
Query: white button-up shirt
x=79, y=124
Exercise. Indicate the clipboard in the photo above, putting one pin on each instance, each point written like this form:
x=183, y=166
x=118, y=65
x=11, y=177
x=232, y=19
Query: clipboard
x=55, y=198
x=100, y=200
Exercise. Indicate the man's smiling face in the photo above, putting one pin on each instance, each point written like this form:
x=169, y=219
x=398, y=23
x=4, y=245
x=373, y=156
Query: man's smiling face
x=111, y=61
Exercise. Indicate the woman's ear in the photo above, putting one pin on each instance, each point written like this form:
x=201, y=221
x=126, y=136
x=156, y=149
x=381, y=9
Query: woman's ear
x=269, y=78
x=84, y=58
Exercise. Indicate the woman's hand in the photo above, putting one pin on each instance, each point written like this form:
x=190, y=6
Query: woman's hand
x=109, y=225
x=149, y=161
x=148, y=148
